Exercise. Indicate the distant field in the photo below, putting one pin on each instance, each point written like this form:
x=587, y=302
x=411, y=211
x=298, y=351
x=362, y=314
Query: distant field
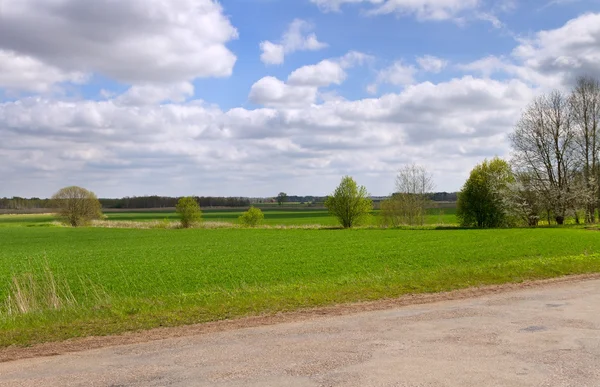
x=303, y=216
x=128, y=279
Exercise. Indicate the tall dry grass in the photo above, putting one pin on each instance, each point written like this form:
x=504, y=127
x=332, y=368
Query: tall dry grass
x=33, y=292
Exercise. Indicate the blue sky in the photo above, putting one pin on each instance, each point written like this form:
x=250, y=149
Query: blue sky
x=251, y=98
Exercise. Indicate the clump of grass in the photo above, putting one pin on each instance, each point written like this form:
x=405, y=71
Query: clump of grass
x=37, y=291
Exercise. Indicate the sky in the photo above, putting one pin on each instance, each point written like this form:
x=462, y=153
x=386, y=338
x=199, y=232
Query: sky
x=255, y=97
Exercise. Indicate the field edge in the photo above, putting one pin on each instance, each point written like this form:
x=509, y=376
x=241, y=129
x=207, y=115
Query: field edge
x=13, y=353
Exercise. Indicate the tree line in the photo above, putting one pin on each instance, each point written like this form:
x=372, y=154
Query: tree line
x=554, y=170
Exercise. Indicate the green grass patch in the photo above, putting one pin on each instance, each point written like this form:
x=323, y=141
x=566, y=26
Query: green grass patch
x=129, y=279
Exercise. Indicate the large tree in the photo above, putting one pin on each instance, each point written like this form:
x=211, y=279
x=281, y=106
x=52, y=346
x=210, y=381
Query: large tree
x=481, y=201
x=585, y=108
x=543, y=146
x=349, y=203
x=77, y=206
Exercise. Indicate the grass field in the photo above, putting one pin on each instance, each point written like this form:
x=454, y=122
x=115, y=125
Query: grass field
x=273, y=217
x=116, y=280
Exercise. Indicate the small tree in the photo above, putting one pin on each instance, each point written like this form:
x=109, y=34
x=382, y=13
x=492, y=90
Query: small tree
x=281, y=198
x=481, y=201
x=189, y=211
x=253, y=217
x=349, y=203
x=408, y=205
x=77, y=206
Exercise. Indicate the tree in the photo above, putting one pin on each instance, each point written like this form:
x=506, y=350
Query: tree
x=189, y=211
x=408, y=205
x=349, y=203
x=585, y=108
x=76, y=206
x=543, y=144
x=281, y=198
x=253, y=217
x=524, y=199
x=480, y=202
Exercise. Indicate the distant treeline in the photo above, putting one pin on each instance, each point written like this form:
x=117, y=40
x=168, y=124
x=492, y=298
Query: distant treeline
x=167, y=201
x=18, y=203
x=444, y=196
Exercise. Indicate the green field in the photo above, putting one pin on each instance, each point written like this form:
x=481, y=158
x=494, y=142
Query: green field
x=273, y=217
x=128, y=279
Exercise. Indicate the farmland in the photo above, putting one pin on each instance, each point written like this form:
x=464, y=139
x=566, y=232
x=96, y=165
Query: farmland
x=273, y=217
x=117, y=280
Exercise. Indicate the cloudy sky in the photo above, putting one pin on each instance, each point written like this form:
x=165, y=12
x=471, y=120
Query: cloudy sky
x=254, y=97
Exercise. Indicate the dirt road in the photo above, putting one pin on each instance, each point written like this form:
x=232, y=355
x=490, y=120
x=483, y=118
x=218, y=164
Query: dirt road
x=548, y=336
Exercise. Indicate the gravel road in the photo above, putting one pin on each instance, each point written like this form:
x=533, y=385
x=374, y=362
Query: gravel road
x=546, y=336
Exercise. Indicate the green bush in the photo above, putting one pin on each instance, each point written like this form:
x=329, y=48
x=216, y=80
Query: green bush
x=189, y=211
x=253, y=217
x=349, y=203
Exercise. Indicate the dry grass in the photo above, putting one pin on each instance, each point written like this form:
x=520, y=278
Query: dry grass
x=33, y=292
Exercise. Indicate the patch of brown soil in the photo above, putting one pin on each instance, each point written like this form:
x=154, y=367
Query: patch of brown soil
x=83, y=344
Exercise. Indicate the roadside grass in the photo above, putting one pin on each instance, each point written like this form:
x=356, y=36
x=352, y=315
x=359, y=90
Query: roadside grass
x=129, y=279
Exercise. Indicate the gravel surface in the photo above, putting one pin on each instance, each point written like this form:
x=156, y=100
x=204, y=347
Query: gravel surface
x=537, y=334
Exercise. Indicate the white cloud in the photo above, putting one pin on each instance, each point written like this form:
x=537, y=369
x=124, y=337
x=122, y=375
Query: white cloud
x=19, y=72
x=302, y=86
x=565, y=52
x=397, y=74
x=117, y=149
x=150, y=94
x=550, y=59
x=130, y=41
x=270, y=91
x=422, y=9
x=431, y=63
x=272, y=53
x=298, y=37
x=322, y=74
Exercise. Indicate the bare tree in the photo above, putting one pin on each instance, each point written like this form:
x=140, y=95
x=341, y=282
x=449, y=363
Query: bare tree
x=543, y=143
x=585, y=108
x=408, y=205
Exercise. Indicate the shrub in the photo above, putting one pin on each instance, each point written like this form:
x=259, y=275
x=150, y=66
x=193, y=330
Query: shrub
x=253, y=217
x=349, y=203
x=189, y=211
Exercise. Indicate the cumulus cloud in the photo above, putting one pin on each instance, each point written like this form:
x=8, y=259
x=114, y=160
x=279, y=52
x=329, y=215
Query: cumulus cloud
x=21, y=72
x=150, y=94
x=549, y=59
x=107, y=144
x=271, y=91
x=302, y=86
x=567, y=52
x=154, y=138
x=298, y=37
x=129, y=41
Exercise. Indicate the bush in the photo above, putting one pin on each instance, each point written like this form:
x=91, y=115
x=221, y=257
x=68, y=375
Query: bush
x=189, y=211
x=349, y=203
x=77, y=206
x=253, y=217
